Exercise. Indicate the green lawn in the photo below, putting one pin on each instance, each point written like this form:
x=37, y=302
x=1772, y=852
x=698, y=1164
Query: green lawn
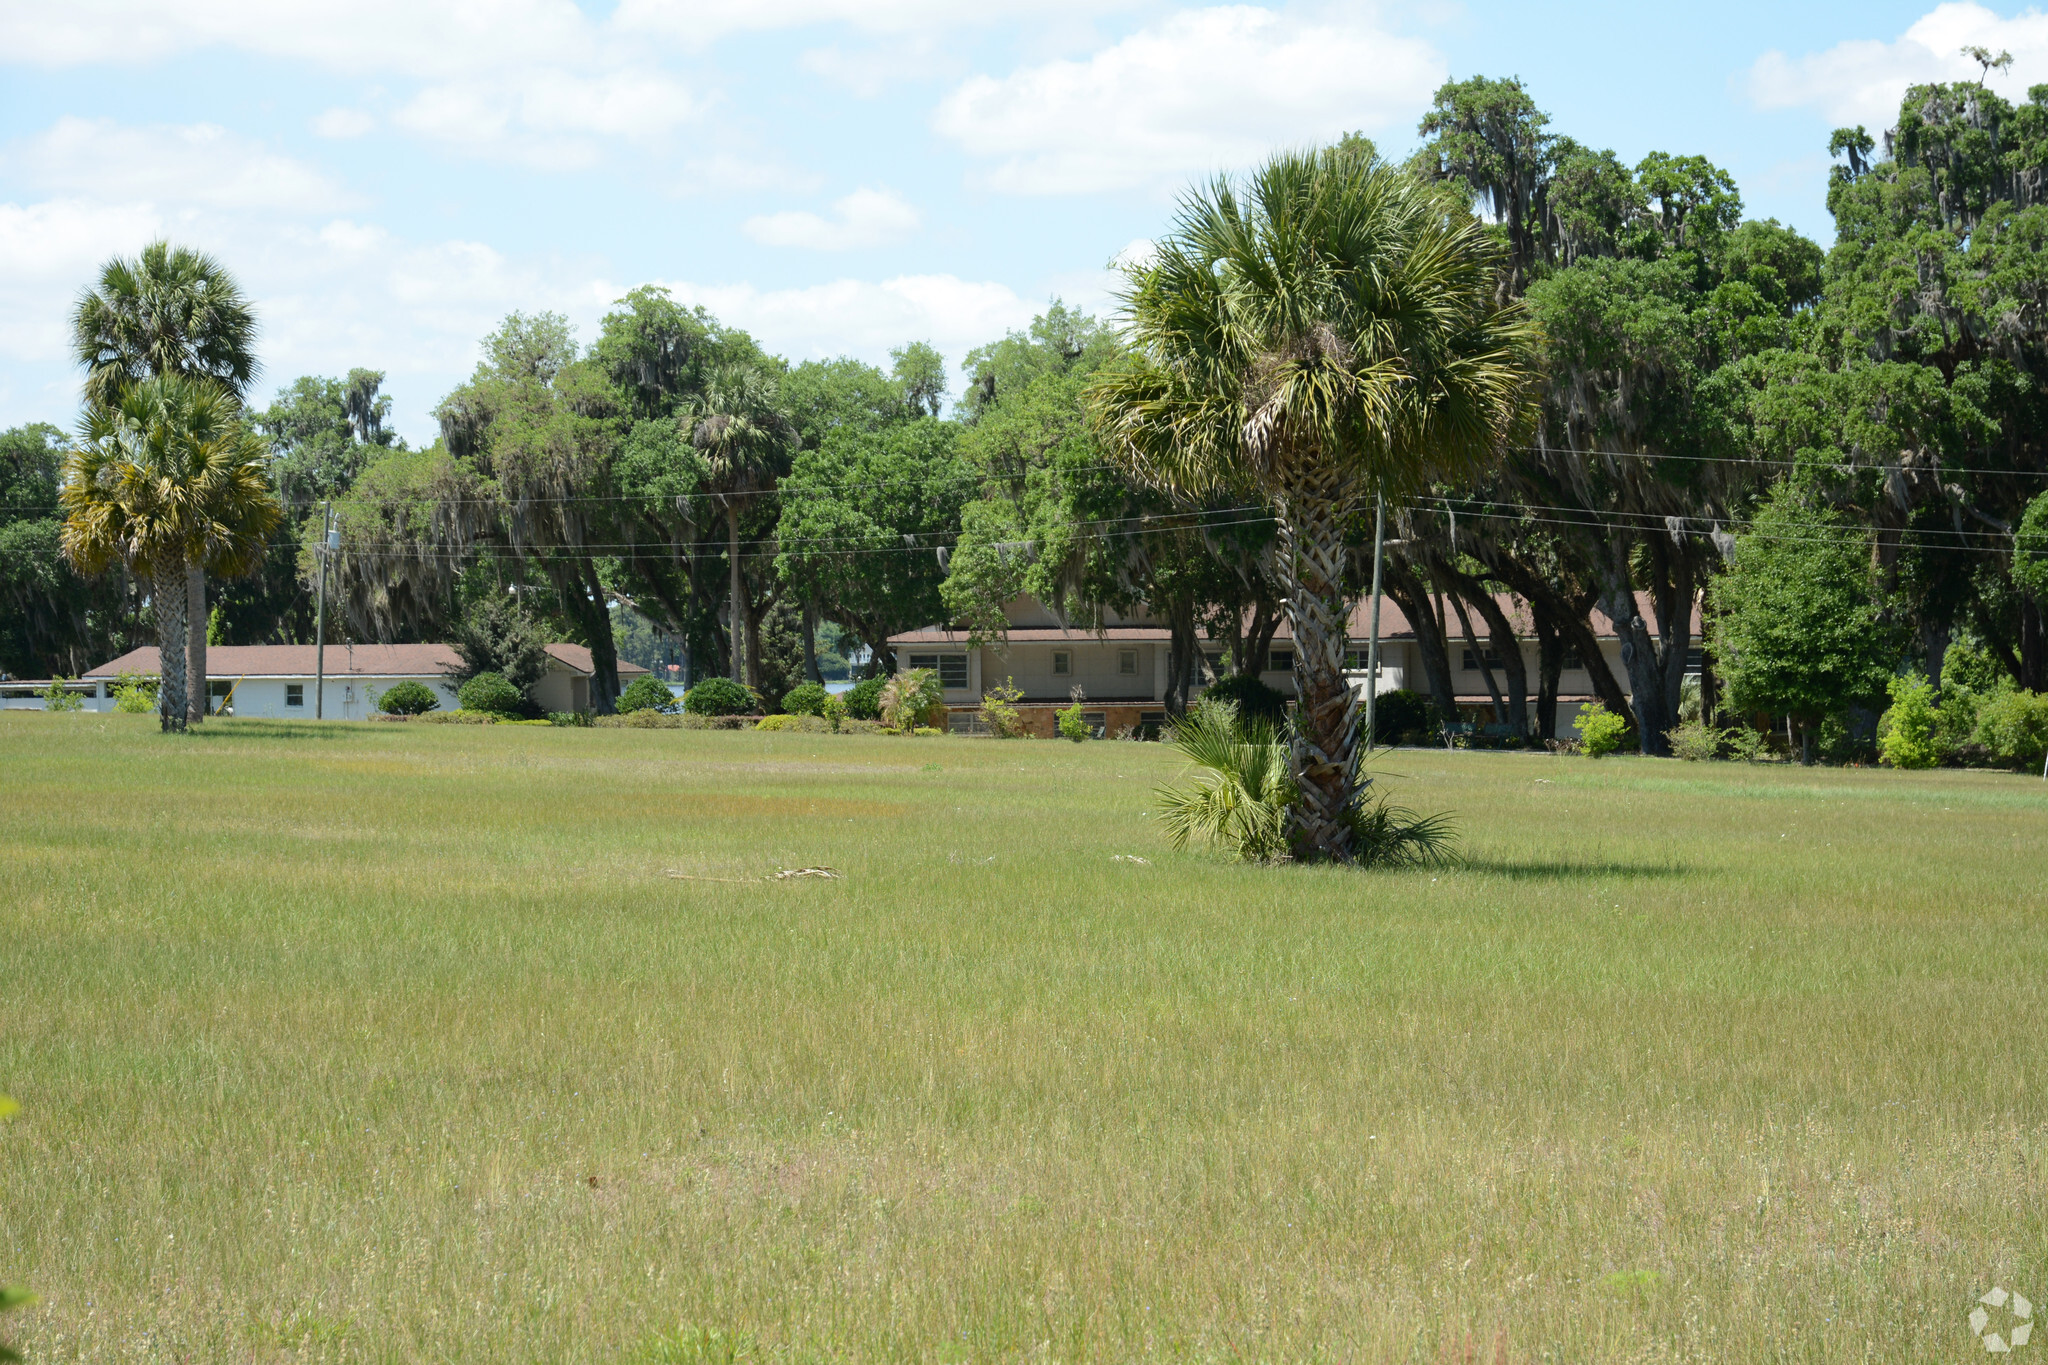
x=399, y=1043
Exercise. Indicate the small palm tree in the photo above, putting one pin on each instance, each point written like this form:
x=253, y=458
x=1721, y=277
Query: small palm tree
x=748, y=439
x=1240, y=794
x=169, y=476
x=1328, y=331
x=170, y=311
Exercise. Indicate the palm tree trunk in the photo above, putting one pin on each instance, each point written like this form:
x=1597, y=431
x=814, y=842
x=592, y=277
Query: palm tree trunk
x=1324, y=752
x=739, y=592
x=167, y=593
x=197, y=696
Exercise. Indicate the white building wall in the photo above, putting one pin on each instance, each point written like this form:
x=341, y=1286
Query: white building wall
x=1095, y=668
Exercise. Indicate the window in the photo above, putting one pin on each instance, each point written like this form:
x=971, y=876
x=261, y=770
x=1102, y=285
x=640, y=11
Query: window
x=294, y=694
x=1062, y=663
x=1097, y=723
x=1127, y=662
x=1572, y=662
x=1355, y=660
x=1492, y=657
x=1279, y=661
x=1151, y=724
x=951, y=668
x=1695, y=660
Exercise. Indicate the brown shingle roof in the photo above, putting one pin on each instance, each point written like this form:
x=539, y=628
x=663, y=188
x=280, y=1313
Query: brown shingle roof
x=361, y=661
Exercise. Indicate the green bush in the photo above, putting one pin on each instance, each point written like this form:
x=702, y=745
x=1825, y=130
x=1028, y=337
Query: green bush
x=134, y=695
x=1695, y=741
x=864, y=699
x=408, y=698
x=805, y=699
x=999, y=710
x=461, y=716
x=1072, y=726
x=492, y=694
x=646, y=693
x=834, y=711
x=1747, y=744
x=927, y=732
x=1601, y=731
x=720, y=697
x=814, y=725
x=914, y=700
x=2013, y=728
x=58, y=697
x=1403, y=714
x=574, y=719
x=1909, y=732
x=1253, y=700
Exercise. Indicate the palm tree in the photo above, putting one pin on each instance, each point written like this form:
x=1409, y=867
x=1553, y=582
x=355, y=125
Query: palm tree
x=169, y=311
x=1329, y=331
x=747, y=438
x=166, y=478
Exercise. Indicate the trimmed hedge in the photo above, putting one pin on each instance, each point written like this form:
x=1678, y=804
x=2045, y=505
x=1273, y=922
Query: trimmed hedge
x=720, y=697
x=491, y=693
x=864, y=699
x=408, y=698
x=645, y=693
x=805, y=699
x=1254, y=700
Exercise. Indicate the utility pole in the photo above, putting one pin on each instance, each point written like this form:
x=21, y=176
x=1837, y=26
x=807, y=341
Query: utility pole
x=330, y=541
x=1372, y=656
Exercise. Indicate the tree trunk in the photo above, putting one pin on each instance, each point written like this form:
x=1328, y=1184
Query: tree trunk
x=1325, y=741
x=1500, y=710
x=1407, y=590
x=1508, y=645
x=2033, y=657
x=604, y=650
x=198, y=699
x=738, y=624
x=169, y=593
x=811, y=644
x=1549, y=669
x=1638, y=656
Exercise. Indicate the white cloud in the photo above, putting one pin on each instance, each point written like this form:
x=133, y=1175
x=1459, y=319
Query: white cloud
x=731, y=173
x=1862, y=80
x=700, y=22
x=343, y=123
x=866, y=318
x=865, y=218
x=1201, y=91
x=196, y=164
x=49, y=251
x=534, y=80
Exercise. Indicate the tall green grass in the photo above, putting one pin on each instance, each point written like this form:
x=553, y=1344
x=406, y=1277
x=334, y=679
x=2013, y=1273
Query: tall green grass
x=399, y=1043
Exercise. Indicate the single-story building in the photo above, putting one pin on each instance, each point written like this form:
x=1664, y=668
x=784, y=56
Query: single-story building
x=278, y=680
x=1122, y=668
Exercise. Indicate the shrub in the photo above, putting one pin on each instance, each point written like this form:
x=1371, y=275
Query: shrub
x=914, y=700
x=1600, y=730
x=783, y=722
x=833, y=709
x=134, y=695
x=1251, y=699
x=1402, y=714
x=408, y=698
x=864, y=699
x=927, y=732
x=576, y=719
x=1072, y=726
x=1747, y=744
x=805, y=699
x=2013, y=728
x=1695, y=741
x=491, y=694
x=646, y=693
x=58, y=697
x=720, y=697
x=461, y=716
x=999, y=710
x=1908, y=733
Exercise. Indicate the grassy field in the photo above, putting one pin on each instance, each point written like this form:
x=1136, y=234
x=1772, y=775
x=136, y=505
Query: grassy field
x=401, y=1043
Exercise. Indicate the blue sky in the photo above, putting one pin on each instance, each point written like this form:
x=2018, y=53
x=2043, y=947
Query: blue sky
x=390, y=177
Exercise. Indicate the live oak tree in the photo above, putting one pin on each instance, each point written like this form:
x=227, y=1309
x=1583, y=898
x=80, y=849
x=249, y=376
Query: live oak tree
x=1324, y=330
x=53, y=619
